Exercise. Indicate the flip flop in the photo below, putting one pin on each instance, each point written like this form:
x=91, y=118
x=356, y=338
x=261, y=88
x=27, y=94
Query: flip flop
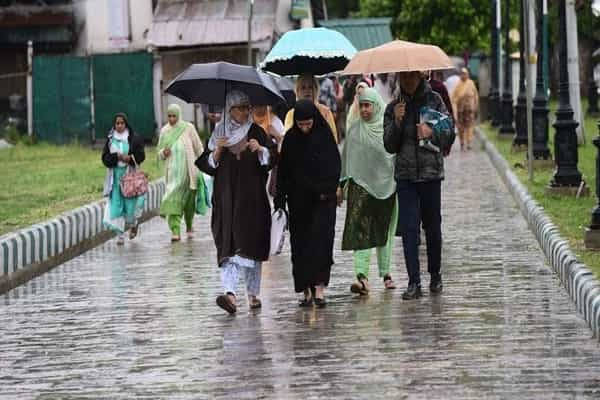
x=305, y=303
x=255, y=305
x=389, y=283
x=359, y=288
x=175, y=239
x=320, y=303
x=226, y=304
x=133, y=232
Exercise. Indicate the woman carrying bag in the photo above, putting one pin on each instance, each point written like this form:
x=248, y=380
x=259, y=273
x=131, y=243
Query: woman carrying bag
x=123, y=151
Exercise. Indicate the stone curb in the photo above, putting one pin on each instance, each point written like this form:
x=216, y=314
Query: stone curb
x=575, y=276
x=31, y=251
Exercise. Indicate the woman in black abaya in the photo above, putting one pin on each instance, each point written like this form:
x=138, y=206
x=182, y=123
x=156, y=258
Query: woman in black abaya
x=308, y=176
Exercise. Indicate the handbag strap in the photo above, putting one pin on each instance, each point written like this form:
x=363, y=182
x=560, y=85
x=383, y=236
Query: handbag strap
x=134, y=161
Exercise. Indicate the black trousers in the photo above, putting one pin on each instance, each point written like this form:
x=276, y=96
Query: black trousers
x=420, y=202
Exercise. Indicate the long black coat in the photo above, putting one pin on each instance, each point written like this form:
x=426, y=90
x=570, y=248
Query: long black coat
x=308, y=176
x=241, y=214
x=136, y=148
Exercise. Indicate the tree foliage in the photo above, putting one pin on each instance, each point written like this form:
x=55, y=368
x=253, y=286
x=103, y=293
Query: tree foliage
x=454, y=25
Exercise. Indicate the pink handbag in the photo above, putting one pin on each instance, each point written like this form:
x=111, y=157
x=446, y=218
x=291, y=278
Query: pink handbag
x=135, y=182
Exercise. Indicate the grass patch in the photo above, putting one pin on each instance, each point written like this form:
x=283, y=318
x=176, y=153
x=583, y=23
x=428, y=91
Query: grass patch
x=41, y=181
x=569, y=214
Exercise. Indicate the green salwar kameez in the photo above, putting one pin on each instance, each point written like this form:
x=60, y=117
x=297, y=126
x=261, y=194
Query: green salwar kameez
x=370, y=223
x=368, y=179
x=179, y=199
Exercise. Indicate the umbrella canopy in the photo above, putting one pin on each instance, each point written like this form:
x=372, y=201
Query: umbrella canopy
x=209, y=84
x=315, y=51
x=398, y=56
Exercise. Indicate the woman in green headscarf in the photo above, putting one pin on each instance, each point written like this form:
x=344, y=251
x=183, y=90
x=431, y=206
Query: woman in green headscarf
x=368, y=179
x=179, y=146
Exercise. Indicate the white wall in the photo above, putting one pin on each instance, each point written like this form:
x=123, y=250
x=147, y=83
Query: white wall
x=93, y=21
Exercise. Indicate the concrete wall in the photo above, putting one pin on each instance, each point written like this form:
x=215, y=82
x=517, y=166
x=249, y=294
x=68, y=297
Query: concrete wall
x=32, y=251
x=93, y=23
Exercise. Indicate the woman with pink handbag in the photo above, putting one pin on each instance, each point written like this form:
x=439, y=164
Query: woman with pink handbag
x=123, y=151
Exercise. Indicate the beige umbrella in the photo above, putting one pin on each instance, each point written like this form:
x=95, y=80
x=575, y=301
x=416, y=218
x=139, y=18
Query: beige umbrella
x=398, y=56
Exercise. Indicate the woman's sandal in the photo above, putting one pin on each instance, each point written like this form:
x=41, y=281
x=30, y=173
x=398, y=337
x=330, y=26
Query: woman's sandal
x=175, y=238
x=388, y=283
x=320, y=303
x=225, y=303
x=133, y=232
x=256, y=304
x=360, y=287
x=307, y=301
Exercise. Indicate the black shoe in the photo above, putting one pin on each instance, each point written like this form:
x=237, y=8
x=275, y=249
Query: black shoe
x=436, y=286
x=305, y=303
x=412, y=292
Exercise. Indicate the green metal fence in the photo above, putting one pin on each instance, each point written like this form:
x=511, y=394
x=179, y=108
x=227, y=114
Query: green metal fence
x=61, y=99
x=123, y=83
x=62, y=87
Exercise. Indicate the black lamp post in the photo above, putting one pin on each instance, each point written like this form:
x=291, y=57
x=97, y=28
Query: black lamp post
x=521, y=107
x=592, y=233
x=494, y=97
x=506, y=127
x=540, y=101
x=565, y=137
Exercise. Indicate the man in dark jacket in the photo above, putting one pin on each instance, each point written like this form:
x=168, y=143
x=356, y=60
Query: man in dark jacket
x=419, y=172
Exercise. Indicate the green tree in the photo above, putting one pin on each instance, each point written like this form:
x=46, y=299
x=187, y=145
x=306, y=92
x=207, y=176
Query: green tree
x=341, y=8
x=454, y=25
x=379, y=8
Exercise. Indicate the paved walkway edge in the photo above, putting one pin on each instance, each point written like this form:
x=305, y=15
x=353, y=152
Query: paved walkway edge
x=34, y=250
x=575, y=276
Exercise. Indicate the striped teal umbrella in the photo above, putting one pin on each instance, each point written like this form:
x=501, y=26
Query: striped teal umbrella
x=315, y=51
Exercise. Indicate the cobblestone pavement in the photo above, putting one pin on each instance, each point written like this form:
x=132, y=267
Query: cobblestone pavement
x=141, y=322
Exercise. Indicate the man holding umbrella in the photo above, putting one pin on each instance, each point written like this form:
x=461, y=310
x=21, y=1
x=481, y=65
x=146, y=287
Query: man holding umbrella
x=418, y=130
x=419, y=171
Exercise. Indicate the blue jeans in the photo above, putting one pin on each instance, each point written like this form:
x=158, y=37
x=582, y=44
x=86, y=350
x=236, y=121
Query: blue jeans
x=420, y=202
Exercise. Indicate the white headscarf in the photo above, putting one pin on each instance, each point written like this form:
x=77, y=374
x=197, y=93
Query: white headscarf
x=228, y=128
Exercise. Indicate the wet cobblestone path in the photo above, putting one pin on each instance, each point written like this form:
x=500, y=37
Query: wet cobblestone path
x=141, y=321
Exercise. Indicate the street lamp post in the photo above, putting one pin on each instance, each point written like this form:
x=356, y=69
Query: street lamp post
x=592, y=233
x=565, y=137
x=520, y=138
x=250, y=12
x=507, y=99
x=540, y=101
x=494, y=96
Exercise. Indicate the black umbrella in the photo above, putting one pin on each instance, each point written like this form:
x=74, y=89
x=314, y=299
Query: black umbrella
x=209, y=84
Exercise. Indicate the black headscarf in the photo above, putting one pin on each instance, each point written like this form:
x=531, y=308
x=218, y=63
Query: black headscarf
x=124, y=116
x=312, y=158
